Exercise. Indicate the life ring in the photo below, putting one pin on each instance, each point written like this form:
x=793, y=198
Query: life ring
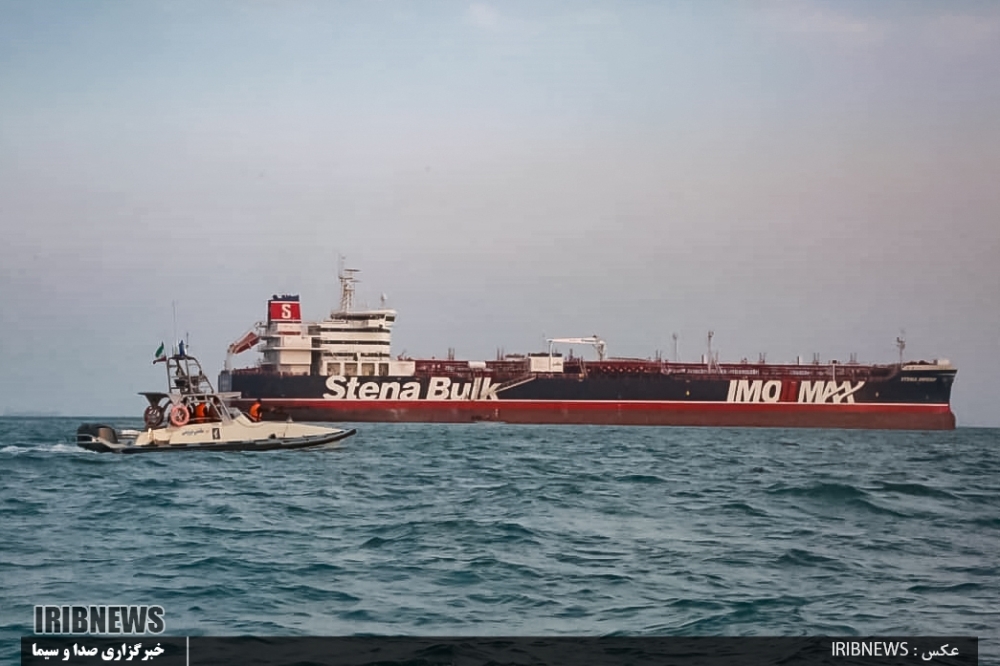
x=153, y=416
x=180, y=415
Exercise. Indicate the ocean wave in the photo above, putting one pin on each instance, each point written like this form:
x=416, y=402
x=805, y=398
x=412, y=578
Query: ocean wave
x=825, y=491
x=916, y=489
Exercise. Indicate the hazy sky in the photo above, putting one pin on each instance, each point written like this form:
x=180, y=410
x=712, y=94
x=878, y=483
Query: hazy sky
x=798, y=176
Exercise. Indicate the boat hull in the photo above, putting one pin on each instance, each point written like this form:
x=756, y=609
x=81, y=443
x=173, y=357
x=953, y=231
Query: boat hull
x=310, y=442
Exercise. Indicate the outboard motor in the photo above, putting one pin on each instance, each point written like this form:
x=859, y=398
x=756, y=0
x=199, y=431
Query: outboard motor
x=87, y=431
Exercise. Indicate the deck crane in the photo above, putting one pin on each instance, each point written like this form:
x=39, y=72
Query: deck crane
x=593, y=340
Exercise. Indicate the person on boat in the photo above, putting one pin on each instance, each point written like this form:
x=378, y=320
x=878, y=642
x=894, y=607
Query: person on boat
x=256, y=410
x=211, y=414
x=201, y=412
x=181, y=379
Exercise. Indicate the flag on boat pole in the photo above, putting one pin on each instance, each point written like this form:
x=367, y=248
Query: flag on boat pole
x=160, y=356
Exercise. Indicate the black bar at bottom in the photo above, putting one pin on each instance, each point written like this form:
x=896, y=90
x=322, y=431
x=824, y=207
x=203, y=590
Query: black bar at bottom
x=508, y=651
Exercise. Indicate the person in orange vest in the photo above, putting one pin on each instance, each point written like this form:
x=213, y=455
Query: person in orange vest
x=200, y=413
x=256, y=409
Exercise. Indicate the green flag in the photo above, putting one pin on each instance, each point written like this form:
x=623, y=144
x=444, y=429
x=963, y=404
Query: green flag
x=160, y=356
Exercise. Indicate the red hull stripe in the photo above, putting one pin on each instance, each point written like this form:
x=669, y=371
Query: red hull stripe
x=902, y=416
x=592, y=405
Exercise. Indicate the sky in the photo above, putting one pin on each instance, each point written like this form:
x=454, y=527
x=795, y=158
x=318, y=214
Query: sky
x=799, y=177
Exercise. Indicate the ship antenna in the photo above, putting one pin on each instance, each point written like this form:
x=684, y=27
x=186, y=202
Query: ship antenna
x=347, y=282
x=901, y=344
x=674, y=336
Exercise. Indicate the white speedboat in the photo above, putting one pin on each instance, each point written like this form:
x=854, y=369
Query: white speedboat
x=192, y=416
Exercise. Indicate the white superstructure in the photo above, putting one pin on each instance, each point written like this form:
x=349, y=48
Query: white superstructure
x=348, y=343
x=286, y=348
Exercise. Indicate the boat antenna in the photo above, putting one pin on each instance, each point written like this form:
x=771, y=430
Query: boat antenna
x=674, y=336
x=901, y=344
x=173, y=342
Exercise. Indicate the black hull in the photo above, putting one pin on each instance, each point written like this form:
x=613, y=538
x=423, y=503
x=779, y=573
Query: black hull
x=875, y=397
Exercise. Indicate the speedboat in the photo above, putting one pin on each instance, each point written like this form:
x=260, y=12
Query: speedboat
x=192, y=416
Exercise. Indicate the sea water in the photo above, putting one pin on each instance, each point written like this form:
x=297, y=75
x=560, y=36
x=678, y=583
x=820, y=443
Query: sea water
x=491, y=529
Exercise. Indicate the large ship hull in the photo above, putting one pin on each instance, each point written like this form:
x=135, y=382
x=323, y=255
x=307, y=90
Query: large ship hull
x=917, y=400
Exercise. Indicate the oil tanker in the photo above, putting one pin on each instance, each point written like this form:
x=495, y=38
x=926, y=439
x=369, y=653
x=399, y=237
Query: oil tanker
x=341, y=369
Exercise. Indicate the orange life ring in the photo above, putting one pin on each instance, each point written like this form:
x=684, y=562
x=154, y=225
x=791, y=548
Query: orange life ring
x=180, y=415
